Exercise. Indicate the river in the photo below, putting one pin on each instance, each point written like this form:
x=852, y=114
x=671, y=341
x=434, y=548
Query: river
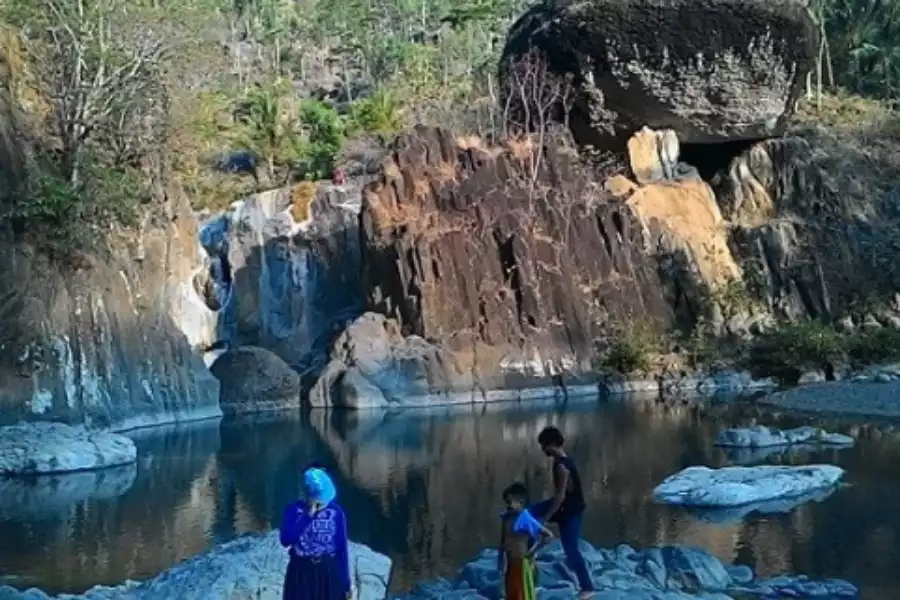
x=425, y=488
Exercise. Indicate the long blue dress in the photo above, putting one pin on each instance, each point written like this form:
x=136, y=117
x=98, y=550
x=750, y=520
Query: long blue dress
x=319, y=567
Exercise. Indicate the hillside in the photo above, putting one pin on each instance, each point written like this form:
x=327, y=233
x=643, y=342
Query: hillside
x=204, y=102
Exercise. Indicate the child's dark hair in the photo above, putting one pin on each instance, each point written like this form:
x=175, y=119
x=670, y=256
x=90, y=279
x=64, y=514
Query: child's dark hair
x=516, y=491
x=551, y=436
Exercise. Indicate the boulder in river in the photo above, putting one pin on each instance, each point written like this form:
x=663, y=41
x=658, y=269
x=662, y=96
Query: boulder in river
x=255, y=380
x=736, y=486
x=43, y=447
x=373, y=365
x=668, y=572
x=251, y=567
x=712, y=71
x=766, y=437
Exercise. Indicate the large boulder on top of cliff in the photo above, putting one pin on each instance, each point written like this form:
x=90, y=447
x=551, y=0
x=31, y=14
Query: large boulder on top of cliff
x=255, y=380
x=712, y=71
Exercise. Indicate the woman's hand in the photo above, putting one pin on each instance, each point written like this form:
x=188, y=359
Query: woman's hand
x=314, y=507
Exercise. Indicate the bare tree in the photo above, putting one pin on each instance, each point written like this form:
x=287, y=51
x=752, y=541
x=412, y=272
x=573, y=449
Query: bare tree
x=97, y=81
x=536, y=100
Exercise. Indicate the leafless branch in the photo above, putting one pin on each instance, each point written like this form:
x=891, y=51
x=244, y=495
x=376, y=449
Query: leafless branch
x=95, y=80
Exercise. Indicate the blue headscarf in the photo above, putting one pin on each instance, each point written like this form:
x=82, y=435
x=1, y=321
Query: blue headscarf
x=318, y=486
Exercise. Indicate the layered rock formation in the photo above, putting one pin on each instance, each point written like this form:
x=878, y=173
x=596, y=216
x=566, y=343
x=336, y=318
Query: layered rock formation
x=813, y=223
x=509, y=258
x=713, y=71
x=112, y=340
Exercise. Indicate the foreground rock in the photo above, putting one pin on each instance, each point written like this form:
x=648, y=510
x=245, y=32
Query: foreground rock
x=673, y=75
x=767, y=437
x=40, y=448
x=736, y=486
x=248, y=568
x=842, y=397
x=664, y=573
x=255, y=380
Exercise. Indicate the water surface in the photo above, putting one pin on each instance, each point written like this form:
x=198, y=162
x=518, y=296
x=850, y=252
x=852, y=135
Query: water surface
x=425, y=487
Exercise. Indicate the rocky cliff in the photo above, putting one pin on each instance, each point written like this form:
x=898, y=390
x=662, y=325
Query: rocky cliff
x=814, y=222
x=506, y=263
x=112, y=340
x=285, y=270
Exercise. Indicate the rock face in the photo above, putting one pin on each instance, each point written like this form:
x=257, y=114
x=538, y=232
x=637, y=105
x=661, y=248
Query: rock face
x=285, y=266
x=712, y=71
x=42, y=448
x=251, y=567
x=812, y=234
x=692, y=244
x=736, y=486
x=110, y=341
x=664, y=573
x=516, y=271
x=255, y=380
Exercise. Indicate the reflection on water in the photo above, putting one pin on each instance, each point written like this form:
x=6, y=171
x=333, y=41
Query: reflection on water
x=424, y=488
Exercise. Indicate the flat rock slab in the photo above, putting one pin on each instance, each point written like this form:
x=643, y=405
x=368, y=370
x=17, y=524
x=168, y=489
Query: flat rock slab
x=623, y=573
x=842, y=398
x=768, y=437
x=250, y=567
x=736, y=486
x=44, y=447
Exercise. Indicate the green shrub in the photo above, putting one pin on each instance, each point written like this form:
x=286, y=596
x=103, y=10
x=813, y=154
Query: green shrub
x=699, y=346
x=790, y=350
x=872, y=347
x=324, y=140
x=378, y=115
x=631, y=351
x=66, y=217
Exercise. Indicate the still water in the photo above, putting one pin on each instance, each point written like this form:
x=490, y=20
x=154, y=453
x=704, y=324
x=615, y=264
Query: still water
x=424, y=488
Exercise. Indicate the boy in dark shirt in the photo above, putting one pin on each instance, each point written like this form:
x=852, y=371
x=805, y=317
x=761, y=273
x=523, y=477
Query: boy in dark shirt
x=521, y=536
x=566, y=507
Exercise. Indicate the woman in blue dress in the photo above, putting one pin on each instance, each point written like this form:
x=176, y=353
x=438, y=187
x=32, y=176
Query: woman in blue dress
x=315, y=532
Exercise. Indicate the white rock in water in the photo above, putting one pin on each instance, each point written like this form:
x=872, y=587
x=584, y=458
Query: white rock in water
x=44, y=447
x=735, y=486
x=250, y=567
x=767, y=437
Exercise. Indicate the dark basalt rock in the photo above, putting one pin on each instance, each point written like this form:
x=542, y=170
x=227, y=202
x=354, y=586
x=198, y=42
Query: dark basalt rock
x=712, y=70
x=509, y=268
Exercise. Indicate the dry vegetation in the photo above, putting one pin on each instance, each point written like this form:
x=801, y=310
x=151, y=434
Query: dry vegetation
x=302, y=196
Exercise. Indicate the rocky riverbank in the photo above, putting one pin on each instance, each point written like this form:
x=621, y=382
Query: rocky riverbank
x=851, y=398
x=251, y=567
x=668, y=572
